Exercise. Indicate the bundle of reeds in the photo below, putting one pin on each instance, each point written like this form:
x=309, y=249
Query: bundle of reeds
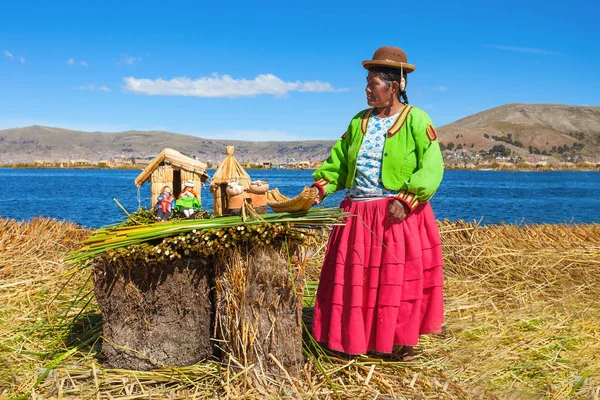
x=154, y=313
x=259, y=291
x=204, y=232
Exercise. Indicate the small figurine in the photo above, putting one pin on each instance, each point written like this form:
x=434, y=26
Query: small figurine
x=188, y=201
x=165, y=205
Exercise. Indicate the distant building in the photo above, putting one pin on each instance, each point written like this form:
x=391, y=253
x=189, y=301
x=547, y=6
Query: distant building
x=120, y=161
x=79, y=163
x=141, y=161
x=44, y=163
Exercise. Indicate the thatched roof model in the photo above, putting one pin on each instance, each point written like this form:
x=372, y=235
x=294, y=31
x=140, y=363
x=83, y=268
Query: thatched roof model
x=231, y=170
x=176, y=160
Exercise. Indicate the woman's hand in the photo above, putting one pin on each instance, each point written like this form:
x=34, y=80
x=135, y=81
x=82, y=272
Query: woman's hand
x=319, y=198
x=398, y=211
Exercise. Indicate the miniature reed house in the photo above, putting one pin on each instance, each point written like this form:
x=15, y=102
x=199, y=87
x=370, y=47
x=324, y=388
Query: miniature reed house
x=231, y=187
x=171, y=168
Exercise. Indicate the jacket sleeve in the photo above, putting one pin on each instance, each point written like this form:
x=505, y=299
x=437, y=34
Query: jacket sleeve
x=331, y=177
x=426, y=179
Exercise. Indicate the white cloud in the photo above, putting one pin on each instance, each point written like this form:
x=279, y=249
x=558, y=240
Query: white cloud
x=14, y=57
x=128, y=60
x=526, y=50
x=72, y=61
x=92, y=87
x=223, y=86
x=442, y=88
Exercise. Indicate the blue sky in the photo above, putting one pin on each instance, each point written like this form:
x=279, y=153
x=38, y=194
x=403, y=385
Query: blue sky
x=270, y=71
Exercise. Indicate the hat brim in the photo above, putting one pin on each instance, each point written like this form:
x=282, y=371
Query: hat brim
x=390, y=64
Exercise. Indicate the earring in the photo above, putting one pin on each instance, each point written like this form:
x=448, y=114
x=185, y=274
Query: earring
x=402, y=80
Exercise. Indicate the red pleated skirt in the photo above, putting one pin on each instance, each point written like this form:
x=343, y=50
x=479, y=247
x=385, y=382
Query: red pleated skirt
x=382, y=282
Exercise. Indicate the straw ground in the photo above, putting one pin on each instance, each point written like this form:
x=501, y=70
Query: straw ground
x=523, y=321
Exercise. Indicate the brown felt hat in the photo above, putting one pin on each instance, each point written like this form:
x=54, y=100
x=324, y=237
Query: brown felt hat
x=390, y=56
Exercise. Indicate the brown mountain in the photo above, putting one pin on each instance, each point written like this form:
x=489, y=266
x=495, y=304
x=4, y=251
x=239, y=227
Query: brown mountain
x=552, y=128
x=21, y=145
x=518, y=126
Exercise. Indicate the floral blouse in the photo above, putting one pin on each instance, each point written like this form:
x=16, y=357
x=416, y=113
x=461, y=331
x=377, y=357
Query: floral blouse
x=367, y=180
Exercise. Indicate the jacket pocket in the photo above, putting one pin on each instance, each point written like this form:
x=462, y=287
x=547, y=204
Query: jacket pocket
x=396, y=173
x=407, y=167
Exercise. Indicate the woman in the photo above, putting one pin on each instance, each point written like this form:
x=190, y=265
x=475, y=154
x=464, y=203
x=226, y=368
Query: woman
x=165, y=204
x=188, y=201
x=381, y=282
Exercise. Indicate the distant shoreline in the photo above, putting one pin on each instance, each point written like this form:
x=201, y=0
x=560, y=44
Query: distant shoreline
x=505, y=168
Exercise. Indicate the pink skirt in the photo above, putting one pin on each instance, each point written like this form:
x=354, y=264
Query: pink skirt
x=382, y=283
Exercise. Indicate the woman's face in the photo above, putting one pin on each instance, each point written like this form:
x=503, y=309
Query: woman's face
x=379, y=94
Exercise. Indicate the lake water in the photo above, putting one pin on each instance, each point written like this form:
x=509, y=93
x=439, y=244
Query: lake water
x=86, y=196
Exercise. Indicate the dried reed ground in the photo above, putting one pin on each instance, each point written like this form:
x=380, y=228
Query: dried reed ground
x=523, y=321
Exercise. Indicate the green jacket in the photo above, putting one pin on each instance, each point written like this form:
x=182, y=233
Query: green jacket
x=412, y=160
x=188, y=202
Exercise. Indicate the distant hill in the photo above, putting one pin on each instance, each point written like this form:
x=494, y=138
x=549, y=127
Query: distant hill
x=553, y=128
x=550, y=128
x=39, y=142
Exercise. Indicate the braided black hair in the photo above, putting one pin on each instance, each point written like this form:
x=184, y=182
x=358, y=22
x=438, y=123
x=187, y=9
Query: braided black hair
x=390, y=75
